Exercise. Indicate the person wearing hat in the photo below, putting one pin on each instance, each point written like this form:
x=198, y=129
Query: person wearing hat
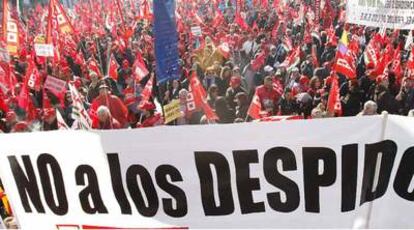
x=117, y=108
x=235, y=88
x=149, y=116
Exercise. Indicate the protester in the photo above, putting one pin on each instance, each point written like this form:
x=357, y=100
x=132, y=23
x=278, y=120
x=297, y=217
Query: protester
x=261, y=59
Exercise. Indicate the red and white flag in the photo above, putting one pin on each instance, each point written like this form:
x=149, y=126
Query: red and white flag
x=200, y=97
x=147, y=92
x=334, y=101
x=60, y=121
x=113, y=68
x=140, y=70
x=255, y=107
x=10, y=30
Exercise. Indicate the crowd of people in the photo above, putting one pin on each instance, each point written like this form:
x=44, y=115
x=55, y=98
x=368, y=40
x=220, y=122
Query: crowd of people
x=254, y=60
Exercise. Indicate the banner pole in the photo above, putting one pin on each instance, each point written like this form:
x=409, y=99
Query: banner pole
x=377, y=168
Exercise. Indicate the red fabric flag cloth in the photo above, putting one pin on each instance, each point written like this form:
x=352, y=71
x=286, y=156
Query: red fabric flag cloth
x=113, y=68
x=265, y=4
x=147, y=92
x=200, y=97
x=344, y=65
x=372, y=52
x=259, y=61
x=334, y=101
x=240, y=21
x=140, y=69
x=93, y=65
x=3, y=106
x=255, y=107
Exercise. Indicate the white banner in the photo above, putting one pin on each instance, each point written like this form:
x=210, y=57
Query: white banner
x=290, y=174
x=44, y=50
x=381, y=13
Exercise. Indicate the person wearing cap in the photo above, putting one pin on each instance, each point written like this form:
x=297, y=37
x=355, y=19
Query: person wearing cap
x=235, y=88
x=117, y=108
x=383, y=97
x=149, y=116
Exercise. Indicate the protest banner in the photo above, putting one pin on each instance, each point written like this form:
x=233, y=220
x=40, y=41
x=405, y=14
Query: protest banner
x=290, y=175
x=383, y=14
x=44, y=50
x=55, y=85
x=172, y=111
x=166, y=40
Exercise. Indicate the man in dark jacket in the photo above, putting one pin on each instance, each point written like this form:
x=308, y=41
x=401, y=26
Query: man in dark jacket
x=383, y=97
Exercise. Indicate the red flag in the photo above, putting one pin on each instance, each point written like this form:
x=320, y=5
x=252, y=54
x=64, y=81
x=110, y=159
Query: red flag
x=23, y=100
x=49, y=29
x=113, y=68
x=240, y=21
x=372, y=52
x=3, y=105
x=344, y=65
x=140, y=69
x=255, y=107
x=10, y=30
x=265, y=4
x=93, y=65
x=259, y=61
x=120, y=12
x=200, y=97
x=218, y=19
x=64, y=24
x=334, y=102
x=396, y=64
x=410, y=63
x=147, y=92
x=224, y=49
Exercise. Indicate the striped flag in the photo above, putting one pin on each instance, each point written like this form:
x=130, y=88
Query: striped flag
x=79, y=113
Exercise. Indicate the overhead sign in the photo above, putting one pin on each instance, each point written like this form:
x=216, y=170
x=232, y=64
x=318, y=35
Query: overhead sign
x=381, y=13
x=293, y=174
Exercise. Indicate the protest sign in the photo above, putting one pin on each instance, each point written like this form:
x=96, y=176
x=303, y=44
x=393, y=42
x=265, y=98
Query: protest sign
x=172, y=111
x=196, y=30
x=55, y=85
x=289, y=175
x=383, y=14
x=44, y=50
